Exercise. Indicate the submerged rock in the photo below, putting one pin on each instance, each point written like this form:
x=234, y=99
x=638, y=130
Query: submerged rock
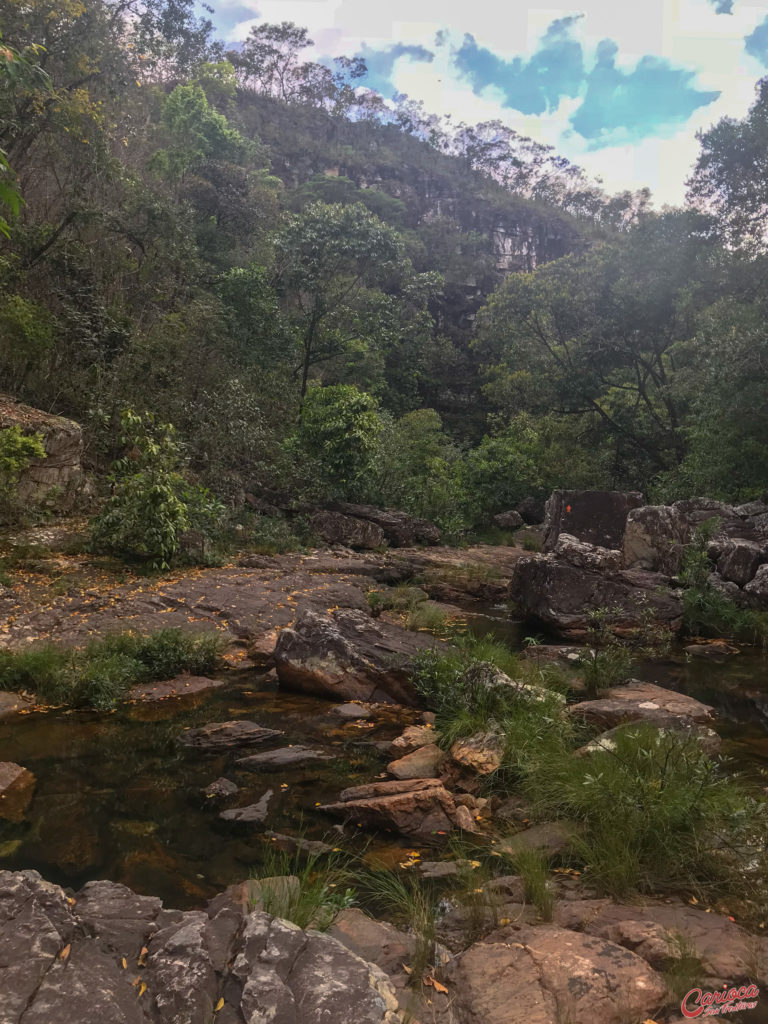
x=283, y=757
x=17, y=785
x=227, y=735
x=252, y=814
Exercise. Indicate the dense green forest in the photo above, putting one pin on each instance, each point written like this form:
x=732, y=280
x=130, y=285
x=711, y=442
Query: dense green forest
x=330, y=296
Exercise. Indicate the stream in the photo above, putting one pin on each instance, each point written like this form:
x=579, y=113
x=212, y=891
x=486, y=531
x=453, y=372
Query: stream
x=119, y=797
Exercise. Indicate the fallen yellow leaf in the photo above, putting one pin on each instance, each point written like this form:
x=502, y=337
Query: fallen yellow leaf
x=439, y=987
x=65, y=952
x=142, y=989
x=218, y=1005
x=124, y=962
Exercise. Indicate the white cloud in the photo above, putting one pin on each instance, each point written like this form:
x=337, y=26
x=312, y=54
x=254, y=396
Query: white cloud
x=687, y=32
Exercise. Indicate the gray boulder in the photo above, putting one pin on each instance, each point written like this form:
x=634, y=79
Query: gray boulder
x=508, y=520
x=739, y=560
x=586, y=556
x=336, y=528
x=347, y=655
x=654, y=538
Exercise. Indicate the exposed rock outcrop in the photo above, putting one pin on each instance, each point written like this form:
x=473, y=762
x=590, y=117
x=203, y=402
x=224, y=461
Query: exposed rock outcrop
x=398, y=527
x=336, y=528
x=108, y=956
x=597, y=517
x=58, y=476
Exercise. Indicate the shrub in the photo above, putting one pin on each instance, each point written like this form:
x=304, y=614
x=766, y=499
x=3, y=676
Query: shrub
x=102, y=672
x=17, y=450
x=152, y=503
x=607, y=661
x=656, y=813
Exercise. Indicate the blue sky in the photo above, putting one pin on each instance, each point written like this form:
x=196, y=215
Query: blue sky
x=618, y=86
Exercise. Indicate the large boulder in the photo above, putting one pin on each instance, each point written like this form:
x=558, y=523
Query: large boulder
x=549, y=974
x=562, y=595
x=107, y=956
x=511, y=520
x=347, y=655
x=422, y=809
x=336, y=528
x=597, y=517
x=757, y=588
x=532, y=511
x=400, y=529
x=740, y=559
x=59, y=475
x=655, y=537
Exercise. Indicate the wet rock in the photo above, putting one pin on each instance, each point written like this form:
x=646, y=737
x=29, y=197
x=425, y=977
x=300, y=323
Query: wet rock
x=221, y=788
x=547, y=974
x=482, y=753
x=508, y=520
x=336, y=528
x=739, y=561
x=399, y=528
x=597, y=517
x=283, y=757
x=181, y=686
x=548, y=654
x=17, y=785
x=638, y=701
x=717, y=650
x=350, y=712
x=348, y=655
x=562, y=595
x=422, y=763
x=586, y=556
x=250, y=815
x=421, y=808
x=654, y=538
x=217, y=736
x=290, y=844
x=413, y=737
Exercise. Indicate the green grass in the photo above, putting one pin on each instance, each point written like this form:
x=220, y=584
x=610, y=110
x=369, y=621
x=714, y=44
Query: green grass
x=426, y=616
x=657, y=815
x=411, y=903
x=533, y=868
x=305, y=888
x=101, y=673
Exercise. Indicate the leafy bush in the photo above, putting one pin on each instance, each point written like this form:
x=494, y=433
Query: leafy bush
x=102, y=672
x=152, y=504
x=17, y=450
x=607, y=661
x=656, y=813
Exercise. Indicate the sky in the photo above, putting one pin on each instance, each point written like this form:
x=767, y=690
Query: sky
x=620, y=87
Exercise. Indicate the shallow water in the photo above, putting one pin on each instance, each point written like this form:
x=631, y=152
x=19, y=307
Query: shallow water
x=119, y=797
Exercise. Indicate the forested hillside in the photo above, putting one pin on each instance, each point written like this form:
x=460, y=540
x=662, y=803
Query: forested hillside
x=329, y=296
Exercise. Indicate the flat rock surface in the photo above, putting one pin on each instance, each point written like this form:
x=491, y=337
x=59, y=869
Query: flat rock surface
x=227, y=735
x=283, y=757
x=108, y=956
x=181, y=686
x=252, y=814
x=638, y=701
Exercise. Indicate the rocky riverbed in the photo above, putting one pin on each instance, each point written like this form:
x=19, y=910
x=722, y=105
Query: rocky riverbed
x=313, y=736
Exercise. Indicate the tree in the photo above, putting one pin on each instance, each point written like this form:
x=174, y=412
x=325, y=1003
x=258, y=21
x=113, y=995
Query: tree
x=730, y=178
x=327, y=256
x=595, y=337
x=339, y=428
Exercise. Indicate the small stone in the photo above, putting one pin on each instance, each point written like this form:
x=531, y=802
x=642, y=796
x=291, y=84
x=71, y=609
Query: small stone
x=221, y=788
x=422, y=763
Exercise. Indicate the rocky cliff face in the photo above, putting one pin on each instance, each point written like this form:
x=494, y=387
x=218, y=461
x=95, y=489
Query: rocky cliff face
x=57, y=476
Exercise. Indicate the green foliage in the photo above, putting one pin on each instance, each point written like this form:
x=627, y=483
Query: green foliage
x=101, y=673
x=152, y=503
x=607, y=660
x=339, y=429
x=533, y=867
x=657, y=814
x=309, y=889
x=17, y=450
